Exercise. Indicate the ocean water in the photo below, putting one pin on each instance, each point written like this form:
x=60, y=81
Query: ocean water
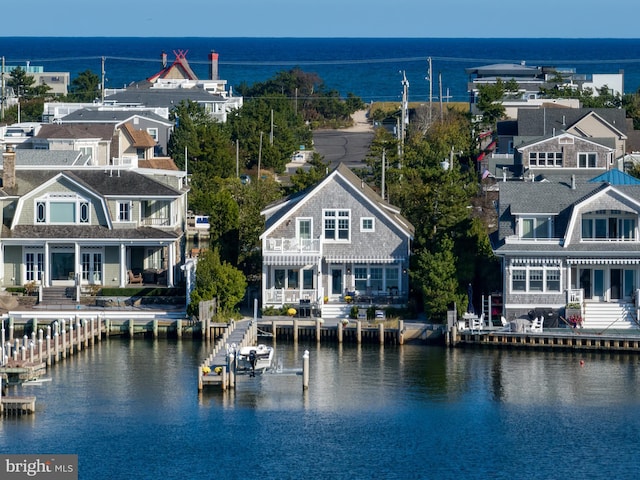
x=131, y=409
x=368, y=67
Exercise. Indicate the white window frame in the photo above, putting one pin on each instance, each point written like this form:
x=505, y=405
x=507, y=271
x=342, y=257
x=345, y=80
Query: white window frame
x=42, y=208
x=129, y=206
x=537, y=221
x=585, y=156
x=364, y=228
x=337, y=216
x=533, y=274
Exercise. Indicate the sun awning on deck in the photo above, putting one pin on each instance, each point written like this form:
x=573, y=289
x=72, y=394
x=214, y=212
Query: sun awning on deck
x=603, y=261
x=290, y=259
x=362, y=259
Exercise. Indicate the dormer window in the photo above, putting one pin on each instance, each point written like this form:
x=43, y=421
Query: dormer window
x=607, y=226
x=536, y=227
x=62, y=208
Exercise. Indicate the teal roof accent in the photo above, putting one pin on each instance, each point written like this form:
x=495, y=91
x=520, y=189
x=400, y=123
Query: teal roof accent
x=616, y=177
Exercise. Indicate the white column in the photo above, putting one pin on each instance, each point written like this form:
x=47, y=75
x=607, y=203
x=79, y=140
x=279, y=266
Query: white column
x=123, y=265
x=78, y=267
x=171, y=262
x=47, y=265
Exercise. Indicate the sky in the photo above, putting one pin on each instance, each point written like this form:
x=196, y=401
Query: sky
x=322, y=18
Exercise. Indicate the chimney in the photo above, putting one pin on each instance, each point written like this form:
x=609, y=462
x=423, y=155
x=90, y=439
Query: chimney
x=213, y=66
x=9, y=168
x=163, y=57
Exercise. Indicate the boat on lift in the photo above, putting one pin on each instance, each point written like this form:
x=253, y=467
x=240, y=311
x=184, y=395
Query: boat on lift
x=254, y=359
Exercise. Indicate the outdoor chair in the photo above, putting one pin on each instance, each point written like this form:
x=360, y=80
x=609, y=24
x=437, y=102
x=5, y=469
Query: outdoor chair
x=135, y=278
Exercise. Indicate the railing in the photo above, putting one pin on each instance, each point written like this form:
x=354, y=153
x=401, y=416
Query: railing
x=547, y=241
x=156, y=222
x=283, y=296
x=292, y=245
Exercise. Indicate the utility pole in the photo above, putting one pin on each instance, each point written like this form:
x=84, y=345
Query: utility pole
x=384, y=163
x=238, y=158
x=259, y=156
x=440, y=86
x=271, y=133
x=404, y=122
x=2, y=99
x=102, y=73
x=430, y=80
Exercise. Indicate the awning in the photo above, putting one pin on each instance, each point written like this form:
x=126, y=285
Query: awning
x=290, y=259
x=362, y=259
x=603, y=261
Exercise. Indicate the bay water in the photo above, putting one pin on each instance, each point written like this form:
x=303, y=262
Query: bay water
x=131, y=409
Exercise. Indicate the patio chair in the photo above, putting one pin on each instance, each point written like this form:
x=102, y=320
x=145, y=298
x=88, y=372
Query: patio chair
x=506, y=326
x=536, y=325
x=476, y=324
x=133, y=278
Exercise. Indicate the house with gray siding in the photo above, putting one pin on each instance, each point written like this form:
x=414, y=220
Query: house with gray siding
x=571, y=238
x=338, y=239
x=71, y=225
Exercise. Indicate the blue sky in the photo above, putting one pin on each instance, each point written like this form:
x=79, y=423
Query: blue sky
x=322, y=18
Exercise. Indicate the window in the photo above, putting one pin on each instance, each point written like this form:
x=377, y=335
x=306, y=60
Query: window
x=124, y=211
x=587, y=160
x=336, y=225
x=545, y=159
x=360, y=276
x=34, y=261
x=375, y=280
x=153, y=133
x=536, y=227
x=62, y=208
x=304, y=231
x=307, y=279
x=366, y=224
x=518, y=280
x=535, y=279
x=608, y=225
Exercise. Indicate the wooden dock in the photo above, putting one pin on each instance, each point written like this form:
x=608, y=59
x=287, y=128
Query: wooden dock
x=240, y=334
x=560, y=339
x=17, y=405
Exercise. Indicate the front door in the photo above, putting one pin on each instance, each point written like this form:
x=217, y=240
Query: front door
x=62, y=268
x=336, y=281
x=615, y=286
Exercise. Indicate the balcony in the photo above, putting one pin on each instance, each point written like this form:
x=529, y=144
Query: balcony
x=156, y=222
x=515, y=239
x=292, y=246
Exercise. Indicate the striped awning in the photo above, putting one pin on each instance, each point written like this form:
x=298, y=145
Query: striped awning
x=535, y=261
x=362, y=259
x=290, y=259
x=603, y=261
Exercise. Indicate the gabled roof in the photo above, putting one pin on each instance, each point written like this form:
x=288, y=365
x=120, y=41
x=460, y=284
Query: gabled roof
x=104, y=182
x=158, y=163
x=97, y=115
x=616, y=177
x=285, y=207
x=179, y=69
x=602, y=142
x=103, y=131
x=139, y=138
x=167, y=97
x=546, y=121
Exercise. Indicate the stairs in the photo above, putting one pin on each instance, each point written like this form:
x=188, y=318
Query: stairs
x=62, y=296
x=614, y=316
x=336, y=310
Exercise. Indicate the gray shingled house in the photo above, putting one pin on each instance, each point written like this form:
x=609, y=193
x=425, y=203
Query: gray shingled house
x=74, y=225
x=569, y=238
x=338, y=239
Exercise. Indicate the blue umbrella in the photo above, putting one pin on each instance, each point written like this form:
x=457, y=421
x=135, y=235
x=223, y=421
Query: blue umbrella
x=470, y=308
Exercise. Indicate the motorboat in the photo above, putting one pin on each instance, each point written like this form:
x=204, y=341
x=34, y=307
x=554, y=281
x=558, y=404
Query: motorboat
x=254, y=359
x=36, y=381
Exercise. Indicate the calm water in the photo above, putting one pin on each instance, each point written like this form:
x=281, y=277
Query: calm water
x=369, y=67
x=132, y=410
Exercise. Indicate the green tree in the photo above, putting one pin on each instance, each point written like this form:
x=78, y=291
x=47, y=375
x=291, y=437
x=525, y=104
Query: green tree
x=314, y=173
x=219, y=280
x=85, y=87
x=436, y=276
x=21, y=82
x=490, y=96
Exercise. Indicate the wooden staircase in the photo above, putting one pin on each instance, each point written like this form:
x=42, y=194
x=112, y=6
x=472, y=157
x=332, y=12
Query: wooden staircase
x=62, y=296
x=611, y=315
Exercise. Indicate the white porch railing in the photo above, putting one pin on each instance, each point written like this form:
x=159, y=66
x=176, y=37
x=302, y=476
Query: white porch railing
x=292, y=245
x=511, y=239
x=156, y=222
x=282, y=296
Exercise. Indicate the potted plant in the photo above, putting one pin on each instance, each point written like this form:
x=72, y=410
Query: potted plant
x=348, y=298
